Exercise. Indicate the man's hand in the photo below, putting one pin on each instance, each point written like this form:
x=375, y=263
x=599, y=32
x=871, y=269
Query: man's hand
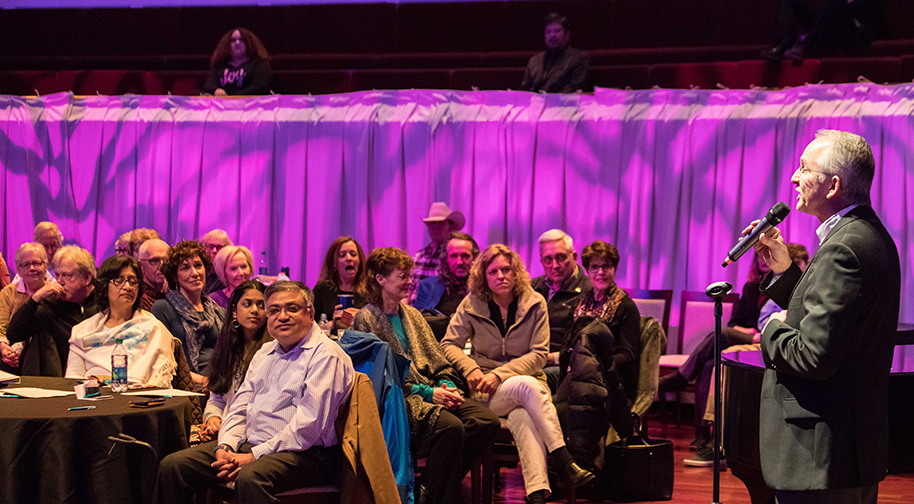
x=48, y=289
x=474, y=378
x=552, y=359
x=489, y=383
x=210, y=428
x=771, y=248
x=10, y=355
x=224, y=463
x=229, y=470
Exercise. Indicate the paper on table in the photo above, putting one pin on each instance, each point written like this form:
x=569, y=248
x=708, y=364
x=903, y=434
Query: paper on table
x=8, y=379
x=163, y=393
x=34, y=393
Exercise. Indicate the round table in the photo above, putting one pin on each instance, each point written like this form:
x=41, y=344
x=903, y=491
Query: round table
x=49, y=454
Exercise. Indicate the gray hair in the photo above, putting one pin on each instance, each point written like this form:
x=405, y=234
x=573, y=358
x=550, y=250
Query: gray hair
x=217, y=234
x=85, y=263
x=291, y=286
x=144, y=247
x=33, y=247
x=851, y=159
x=556, y=235
x=43, y=226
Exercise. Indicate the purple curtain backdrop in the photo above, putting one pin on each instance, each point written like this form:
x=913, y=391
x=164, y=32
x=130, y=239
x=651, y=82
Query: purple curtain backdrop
x=668, y=176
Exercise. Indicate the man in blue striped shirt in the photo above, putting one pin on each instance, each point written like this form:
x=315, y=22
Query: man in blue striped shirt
x=279, y=431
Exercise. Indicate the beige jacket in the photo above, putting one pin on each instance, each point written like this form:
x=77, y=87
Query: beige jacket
x=521, y=352
x=10, y=301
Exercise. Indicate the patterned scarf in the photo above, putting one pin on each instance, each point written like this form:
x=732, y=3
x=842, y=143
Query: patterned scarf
x=195, y=328
x=604, y=309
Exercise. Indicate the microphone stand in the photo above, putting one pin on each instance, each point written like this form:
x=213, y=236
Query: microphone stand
x=717, y=291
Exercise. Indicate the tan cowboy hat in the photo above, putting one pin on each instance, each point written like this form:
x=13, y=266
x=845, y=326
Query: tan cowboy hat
x=440, y=212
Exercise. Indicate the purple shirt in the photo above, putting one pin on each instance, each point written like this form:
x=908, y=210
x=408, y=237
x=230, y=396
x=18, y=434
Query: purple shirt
x=289, y=401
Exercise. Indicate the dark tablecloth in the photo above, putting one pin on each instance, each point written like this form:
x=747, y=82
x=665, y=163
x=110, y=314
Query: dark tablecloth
x=51, y=455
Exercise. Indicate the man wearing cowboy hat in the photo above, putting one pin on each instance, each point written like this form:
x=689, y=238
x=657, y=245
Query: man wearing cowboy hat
x=441, y=222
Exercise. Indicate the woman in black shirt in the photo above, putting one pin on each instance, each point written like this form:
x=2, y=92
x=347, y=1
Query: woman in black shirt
x=240, y=65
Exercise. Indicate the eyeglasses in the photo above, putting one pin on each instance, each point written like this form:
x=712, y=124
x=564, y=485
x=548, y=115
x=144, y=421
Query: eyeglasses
x=600, y=267
x=121, y=250
x=403, y=276
x=212, y=247
x=290, y=309
x=119, y=281
x=802, y=170
x=155, y=261
x=559, y=258
x=31, y=264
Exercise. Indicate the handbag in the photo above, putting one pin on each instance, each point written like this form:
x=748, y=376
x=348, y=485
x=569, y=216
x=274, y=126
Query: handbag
x=638, y=469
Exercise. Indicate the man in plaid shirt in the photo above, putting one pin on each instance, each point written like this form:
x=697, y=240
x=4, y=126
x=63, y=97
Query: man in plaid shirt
x=441, y=222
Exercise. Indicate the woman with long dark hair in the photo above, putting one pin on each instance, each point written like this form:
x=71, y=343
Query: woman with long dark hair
x=243, y=333
x=342, y=273
x=240, y=65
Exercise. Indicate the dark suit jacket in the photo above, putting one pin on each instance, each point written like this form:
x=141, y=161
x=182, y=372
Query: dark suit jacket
x=45, y=328
x=824, y=419
x=564, y=71
x=561, y=306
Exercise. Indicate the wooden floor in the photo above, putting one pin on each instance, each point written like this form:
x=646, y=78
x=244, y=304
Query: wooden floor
x=694, y=485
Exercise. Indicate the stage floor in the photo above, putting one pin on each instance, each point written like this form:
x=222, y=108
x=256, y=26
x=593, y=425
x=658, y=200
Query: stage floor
x=693, y=485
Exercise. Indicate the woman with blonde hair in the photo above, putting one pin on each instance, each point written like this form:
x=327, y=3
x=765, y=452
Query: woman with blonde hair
x=507, y=323
x=234, y=265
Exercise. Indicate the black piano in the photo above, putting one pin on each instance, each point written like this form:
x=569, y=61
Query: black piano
x=741, y=386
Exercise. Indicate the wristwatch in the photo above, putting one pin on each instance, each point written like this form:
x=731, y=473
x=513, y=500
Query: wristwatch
x=223, y=446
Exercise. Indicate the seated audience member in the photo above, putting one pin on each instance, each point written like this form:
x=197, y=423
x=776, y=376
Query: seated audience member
x=233, y=265
x=444, y=292
x=32, y=268
x=4, y=272
x=243, y=333
x=507, y=323
x=343, y=272
x=800, y=256
x=739, y=331
x=825, y=28
x=441, y=222
x=152, y=254
x=44, y=322
x=138, y=237
x=602, y=362
x=48, y=235
x=279, y=432
x=240, y=65
x=560, y=68
x=214, y=241
x=150, y=353
x=452, y=429
x=188, y=313
x=562, y=285
x=704, y=457
x=122, y=244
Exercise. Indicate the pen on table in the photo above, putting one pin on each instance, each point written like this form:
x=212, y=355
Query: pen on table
x=77, y=408
x=11, y=396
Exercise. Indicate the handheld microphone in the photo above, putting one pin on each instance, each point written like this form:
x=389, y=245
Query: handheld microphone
x=774, y=217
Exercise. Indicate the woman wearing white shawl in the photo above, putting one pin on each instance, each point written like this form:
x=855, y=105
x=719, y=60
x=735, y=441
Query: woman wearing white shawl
x=150, y=354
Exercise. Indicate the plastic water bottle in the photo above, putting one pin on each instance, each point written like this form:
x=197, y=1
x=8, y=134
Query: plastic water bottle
x=325, y=324
x=119, y=367
x=263, y=263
